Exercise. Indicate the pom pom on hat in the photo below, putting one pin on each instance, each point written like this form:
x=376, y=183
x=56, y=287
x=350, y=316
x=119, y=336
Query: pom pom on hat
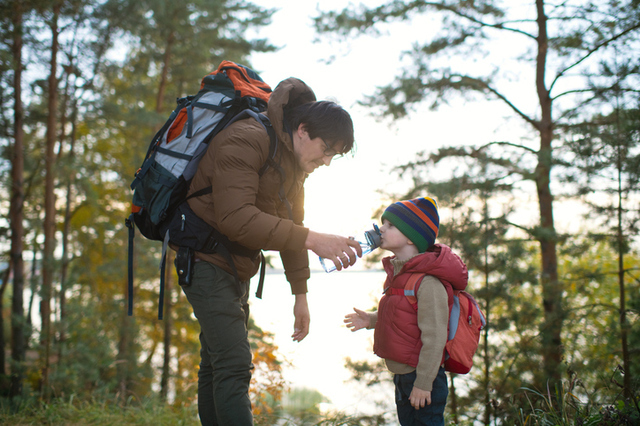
x=417, y=219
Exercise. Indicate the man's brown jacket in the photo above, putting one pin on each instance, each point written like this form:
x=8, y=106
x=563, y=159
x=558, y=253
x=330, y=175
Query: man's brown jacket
x=244, y=205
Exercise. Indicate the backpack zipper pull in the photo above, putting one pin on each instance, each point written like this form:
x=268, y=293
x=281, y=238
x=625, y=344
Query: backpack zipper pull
x=182, y=225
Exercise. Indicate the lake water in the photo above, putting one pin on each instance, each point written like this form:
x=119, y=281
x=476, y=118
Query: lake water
x=318, y=361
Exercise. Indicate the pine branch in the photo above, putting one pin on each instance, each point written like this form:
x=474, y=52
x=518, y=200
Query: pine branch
x=592, y=51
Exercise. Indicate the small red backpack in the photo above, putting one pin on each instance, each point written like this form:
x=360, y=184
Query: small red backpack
x=466, y=321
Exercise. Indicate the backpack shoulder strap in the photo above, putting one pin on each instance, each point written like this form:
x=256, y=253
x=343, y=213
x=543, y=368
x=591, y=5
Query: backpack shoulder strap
x=273, y=140
x=410, y=289
x=471, y=303
x=271, y=162
x=273, y=144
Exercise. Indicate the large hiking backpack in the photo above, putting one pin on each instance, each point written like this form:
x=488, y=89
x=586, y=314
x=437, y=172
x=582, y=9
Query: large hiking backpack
x=159, y=208
x=466, y=321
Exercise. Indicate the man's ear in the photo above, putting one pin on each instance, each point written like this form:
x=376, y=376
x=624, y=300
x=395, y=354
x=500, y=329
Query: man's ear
x=302, y=130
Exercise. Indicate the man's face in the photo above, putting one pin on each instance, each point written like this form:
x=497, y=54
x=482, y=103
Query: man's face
x=312, y=153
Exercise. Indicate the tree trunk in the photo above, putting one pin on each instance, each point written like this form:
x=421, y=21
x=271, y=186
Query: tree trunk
x=33, y=281
x=168, y=323
x=67, y=219
x=16, y=214
x=166, y=59
x=485, y=333
x=624, y=325
x=126, y=358
x=49, y=206
x=551, y=288
x=4, y=383
x=64, y=269
x=453, y=397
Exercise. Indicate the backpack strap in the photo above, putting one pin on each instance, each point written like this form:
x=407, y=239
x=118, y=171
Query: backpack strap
x=271, y=162
x=410, y=289
x=132, y=232
x=263, y=270
x=163, y=266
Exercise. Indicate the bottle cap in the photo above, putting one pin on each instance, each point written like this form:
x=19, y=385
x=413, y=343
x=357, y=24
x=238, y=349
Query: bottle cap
x=373, y=236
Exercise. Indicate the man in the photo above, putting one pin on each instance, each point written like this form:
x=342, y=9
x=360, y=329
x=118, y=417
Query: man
x=259, y=211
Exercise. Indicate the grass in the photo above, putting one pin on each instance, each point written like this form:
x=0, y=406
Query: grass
x=75, y=413
x=150, y=412
x=563, y=407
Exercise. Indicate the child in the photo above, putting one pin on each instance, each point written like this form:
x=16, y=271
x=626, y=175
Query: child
x=411, y=340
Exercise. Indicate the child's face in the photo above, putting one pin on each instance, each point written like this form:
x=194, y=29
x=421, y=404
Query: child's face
x=392, y=238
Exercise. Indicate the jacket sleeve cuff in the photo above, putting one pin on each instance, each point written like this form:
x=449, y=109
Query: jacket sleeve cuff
x=299, y=287
x=296, y=269
x=298, y=238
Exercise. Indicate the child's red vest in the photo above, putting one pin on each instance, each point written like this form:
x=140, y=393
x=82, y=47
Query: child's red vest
x=397, y=336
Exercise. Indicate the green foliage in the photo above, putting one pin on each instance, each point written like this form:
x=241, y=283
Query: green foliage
x=267, y=384
x=602, y=167
x=109, y=107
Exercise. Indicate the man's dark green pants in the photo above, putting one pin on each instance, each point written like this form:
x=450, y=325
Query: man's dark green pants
x=222, y=310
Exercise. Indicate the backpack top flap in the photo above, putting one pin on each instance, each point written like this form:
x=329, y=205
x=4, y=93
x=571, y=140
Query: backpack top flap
x=238, y=78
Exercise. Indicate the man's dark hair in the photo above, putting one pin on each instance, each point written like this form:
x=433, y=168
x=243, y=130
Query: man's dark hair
x=323, y=119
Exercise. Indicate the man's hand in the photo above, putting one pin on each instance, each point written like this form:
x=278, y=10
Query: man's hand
x=419, y=397
x=342, y=251
x=302, y=318
x=357, y=321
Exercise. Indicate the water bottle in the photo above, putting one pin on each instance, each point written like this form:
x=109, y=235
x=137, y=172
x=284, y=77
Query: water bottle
x=372, y=237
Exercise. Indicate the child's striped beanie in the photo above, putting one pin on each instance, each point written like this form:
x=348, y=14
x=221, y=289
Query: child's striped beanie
x=417, y=219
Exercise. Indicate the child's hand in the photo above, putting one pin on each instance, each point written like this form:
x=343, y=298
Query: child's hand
x=357, y=321
x=419, y=397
